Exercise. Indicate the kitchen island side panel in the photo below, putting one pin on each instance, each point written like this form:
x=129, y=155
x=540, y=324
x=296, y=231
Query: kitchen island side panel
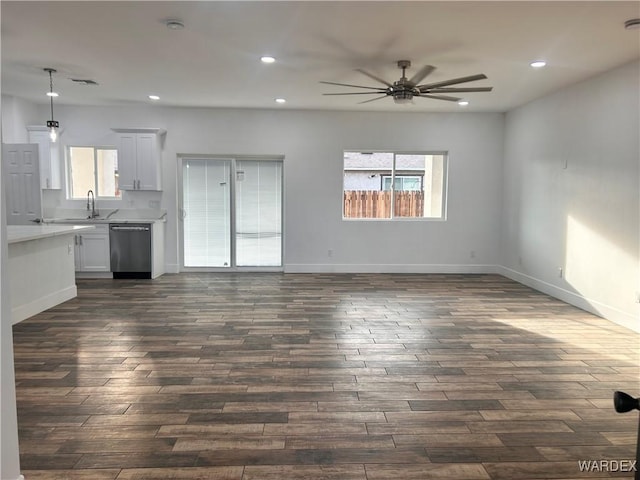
x=41, y=275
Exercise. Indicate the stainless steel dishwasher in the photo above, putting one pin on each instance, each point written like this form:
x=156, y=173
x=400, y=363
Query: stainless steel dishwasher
x=130, y=245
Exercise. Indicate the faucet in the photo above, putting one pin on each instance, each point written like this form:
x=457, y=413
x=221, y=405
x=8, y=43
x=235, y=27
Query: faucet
x=91, y=204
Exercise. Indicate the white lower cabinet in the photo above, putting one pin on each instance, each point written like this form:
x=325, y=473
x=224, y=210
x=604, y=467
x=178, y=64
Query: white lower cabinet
x=92, y=250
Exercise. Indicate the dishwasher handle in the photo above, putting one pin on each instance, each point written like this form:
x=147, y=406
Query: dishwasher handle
x=130, y=228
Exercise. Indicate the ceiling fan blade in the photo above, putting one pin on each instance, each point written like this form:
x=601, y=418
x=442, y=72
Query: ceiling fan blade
x=372, y=76
x=348, y=85
x=454, y=81
x=459, y=90
x=438, y=97
x=356, y=93
x=422, y=74
x=374, y=99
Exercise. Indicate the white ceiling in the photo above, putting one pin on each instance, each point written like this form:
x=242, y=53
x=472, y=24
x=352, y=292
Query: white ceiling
x=214, y=60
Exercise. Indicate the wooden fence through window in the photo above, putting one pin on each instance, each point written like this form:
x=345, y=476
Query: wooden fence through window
x=377, y=204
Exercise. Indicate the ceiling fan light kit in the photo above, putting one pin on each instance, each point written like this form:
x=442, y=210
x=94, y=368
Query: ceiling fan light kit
x=404, y=90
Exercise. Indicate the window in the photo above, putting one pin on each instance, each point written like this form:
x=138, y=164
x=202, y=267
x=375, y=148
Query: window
x=388, y=185
x=92, y=168
x=402, y=183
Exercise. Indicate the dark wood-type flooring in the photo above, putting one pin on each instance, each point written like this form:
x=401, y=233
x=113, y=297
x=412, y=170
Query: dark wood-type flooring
x=321, y=376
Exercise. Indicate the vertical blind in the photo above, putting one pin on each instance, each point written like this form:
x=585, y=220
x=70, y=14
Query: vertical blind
x=207, y=221
x=258, y=213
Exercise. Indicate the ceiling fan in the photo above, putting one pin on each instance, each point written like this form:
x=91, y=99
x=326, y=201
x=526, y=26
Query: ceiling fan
x=403, y=90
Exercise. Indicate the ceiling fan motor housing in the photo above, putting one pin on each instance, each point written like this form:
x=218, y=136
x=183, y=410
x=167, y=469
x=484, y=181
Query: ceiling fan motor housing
x=403, y=90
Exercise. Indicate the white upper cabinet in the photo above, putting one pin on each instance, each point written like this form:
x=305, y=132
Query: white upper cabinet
x=140, y=158
x=49, y=154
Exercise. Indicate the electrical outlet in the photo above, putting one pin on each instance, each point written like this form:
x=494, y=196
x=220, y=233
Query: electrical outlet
x=560, y=272
x=69, y=249
x=330, y=253
x=472, y=254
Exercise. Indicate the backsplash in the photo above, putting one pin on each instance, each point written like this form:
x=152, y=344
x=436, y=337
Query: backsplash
x=113, y=213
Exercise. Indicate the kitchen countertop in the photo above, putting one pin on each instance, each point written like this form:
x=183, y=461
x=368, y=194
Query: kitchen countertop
x=101, y=221
x=23, y=233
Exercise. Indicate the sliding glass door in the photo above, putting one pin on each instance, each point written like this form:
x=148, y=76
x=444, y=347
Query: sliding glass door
x=258, y=213
x=207, y=215
x=232, y=212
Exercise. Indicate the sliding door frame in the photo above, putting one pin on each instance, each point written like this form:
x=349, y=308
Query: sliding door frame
x=233, y=158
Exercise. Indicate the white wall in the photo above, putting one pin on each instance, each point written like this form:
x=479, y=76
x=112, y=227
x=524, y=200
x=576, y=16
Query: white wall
x=16, y=114
x=571, y=198
x=9, y=455
x=312, y=144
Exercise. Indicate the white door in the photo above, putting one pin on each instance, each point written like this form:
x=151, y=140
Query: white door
x=21, y=177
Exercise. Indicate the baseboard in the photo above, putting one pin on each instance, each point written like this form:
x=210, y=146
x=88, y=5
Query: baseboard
x=172, y=268
x=600, y=309
x=30, y=309
x=94, y=275
x=387, y=268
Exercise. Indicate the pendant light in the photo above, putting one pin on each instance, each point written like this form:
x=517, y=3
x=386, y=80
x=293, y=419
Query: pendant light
x=52, y=124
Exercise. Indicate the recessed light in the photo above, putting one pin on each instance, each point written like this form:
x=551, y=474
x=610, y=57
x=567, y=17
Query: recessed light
x=154, y=97
x=267, y=59
x=52, y=94
x=463, y=103
x=538, y=64
x=632, y=24
x=280, y=100
x=174, y=24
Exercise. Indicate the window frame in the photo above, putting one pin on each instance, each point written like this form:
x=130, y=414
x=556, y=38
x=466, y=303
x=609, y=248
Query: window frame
x=69, y=173
x=392, y=218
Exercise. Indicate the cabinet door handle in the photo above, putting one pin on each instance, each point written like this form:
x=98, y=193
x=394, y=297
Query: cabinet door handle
x=80, y=239
x=75, y=239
